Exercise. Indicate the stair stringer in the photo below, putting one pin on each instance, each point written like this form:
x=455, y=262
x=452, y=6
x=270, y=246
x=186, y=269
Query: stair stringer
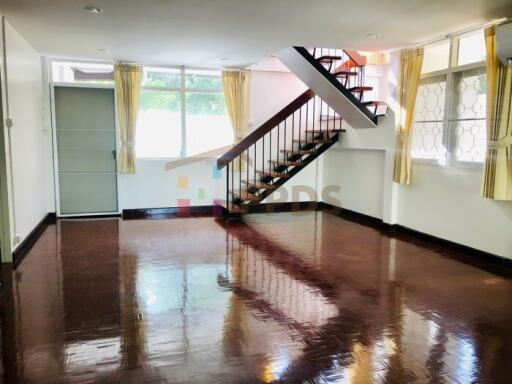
x=329, y=90
x=292, y=172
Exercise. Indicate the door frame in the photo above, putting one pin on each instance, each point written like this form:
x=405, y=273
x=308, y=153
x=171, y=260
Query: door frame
x=7, y=219
x=55, y=148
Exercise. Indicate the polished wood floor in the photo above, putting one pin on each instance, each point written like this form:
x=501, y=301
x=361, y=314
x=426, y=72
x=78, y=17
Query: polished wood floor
x=290, y=297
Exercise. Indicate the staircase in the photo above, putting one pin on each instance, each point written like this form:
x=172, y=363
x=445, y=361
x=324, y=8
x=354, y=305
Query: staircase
x=338, y=77
x=298, y=134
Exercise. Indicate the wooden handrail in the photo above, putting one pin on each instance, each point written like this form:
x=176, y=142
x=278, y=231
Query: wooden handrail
x=356, y=57
x=266, y=127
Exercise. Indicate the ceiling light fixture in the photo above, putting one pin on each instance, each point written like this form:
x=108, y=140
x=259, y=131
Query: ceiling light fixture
x=92, y=9
x=103, y=50
x=374, y=36
x=224, y=58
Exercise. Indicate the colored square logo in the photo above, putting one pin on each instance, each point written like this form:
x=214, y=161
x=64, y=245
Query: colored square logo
x=183, y=207
x=217, y=208
x=183, y=182
x=216, y=174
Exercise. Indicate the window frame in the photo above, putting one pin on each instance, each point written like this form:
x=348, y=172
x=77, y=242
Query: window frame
x=182, y=90
x=449, y=134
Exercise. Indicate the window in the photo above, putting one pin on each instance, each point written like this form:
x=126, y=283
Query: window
x=471, y=48
x=79, y=72
x=208, y=124
x=182, y=113
x=436, y=57
x=159, y=126
x=450, y=113
x=468, y=115
x=429, y=120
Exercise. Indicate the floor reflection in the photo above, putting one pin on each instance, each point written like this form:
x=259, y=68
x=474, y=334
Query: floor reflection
x=290, y=298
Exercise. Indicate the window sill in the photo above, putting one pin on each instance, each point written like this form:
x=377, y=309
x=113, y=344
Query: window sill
x=148, y=159
x=158, y=158
x=450, y=168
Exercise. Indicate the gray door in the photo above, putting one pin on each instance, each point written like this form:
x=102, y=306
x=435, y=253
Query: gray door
x=86, y=150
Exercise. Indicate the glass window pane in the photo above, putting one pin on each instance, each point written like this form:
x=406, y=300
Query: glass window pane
x=470, y=94
x=471, y=138
x=427, y=142
x=469, y=115
x=162, y=78
x=76, y=72
x=428, y=130
x=436, y=57
x=159, y=125
x=203, y=79
x=471, y=48
x=430, y=99
x=208, y=124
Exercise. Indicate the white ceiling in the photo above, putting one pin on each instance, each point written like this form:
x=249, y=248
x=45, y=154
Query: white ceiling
x=202, y=32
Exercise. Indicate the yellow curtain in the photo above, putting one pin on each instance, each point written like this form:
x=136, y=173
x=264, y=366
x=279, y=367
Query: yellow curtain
x=128, y=83
x=237, y=91
x=497, y=178
x=411, y=61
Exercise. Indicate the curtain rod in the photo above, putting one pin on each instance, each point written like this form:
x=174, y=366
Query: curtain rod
x=170, y=66
x=460, y=33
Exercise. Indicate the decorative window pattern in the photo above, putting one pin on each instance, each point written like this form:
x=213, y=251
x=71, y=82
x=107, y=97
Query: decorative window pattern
x=450, y=113
x=429, y=120
x=469, y=122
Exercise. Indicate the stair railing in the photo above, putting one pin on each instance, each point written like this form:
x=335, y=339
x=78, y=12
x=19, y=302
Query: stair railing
x=346, y=71
x=261, y=157
x=349, y=61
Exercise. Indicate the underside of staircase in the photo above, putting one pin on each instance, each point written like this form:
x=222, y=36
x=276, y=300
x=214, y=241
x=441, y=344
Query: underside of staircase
x=307, y=127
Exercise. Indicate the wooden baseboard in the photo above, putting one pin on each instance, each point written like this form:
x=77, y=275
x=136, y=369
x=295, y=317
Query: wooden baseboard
x=74, y=217
x=212, y=210
x=485, y=260
x=26, y=245
x=353, y=215
x=284, y=207
x=172, y=212
x=482, y=259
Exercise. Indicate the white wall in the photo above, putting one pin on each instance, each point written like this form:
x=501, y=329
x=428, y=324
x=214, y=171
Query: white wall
x=443, y=202
x=359, y=174
x=446, y=203
x=271, y=91
x=152, y=186
x=27, y=152
x=361, y=164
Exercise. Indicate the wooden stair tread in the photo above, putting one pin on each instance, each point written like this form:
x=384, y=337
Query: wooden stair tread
x=344, y=73
x=286, y=163
x=312, y=141
x=299, y=151
x=324, y=130
x=232, y=209
x=329, y=118
x=273, y=174
x=353, y=64
x=255, y=184
x=360, y=88
x=245, y=196
x=328, y=58
x=374, y=103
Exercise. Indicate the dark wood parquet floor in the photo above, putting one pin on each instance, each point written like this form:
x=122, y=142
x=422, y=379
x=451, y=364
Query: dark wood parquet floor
x=280, y=298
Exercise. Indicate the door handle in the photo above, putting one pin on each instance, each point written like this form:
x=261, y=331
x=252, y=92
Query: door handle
x=114, y=154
